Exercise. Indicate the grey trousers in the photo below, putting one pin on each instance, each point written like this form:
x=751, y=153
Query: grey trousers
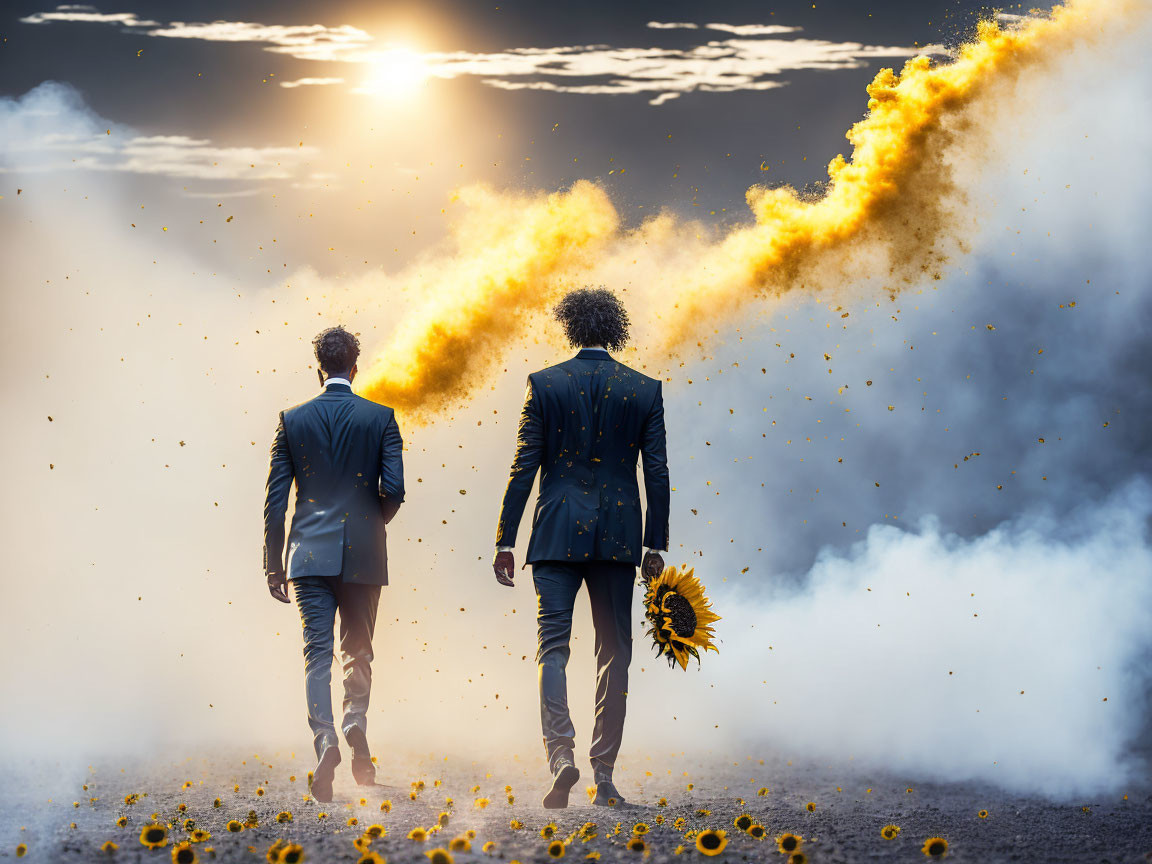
x=319, y=598
x=610, y=586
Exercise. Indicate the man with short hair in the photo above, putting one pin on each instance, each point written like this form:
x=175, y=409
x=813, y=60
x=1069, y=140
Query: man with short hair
x=345, y=455
x=585, y=423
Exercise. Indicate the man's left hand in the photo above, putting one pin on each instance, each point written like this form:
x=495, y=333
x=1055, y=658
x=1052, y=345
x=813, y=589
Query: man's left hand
x=652, y=565
x=278, y=587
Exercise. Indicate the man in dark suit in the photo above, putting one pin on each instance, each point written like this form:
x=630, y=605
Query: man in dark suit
x=345, y=454
x=585, y=423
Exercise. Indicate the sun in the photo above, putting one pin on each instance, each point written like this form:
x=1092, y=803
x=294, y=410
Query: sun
x=395, y=73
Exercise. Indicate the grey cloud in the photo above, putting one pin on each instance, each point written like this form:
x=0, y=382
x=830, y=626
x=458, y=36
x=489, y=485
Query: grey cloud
x=748, y=60
x=49, y=129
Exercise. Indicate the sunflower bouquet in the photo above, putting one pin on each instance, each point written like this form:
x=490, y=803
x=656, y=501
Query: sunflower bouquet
x=680, y=616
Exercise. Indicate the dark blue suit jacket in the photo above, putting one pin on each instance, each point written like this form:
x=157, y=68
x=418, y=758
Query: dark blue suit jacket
x=585, y=424
x=345, y=454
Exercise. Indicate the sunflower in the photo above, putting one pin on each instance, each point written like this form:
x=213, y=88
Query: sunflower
x=418, y=835
x=680, y=615
x=587, y=831
x=293, y=853
x=460, y=844
x=21, y=850
x=154, y=836
x=679, y=823
x=762, y=791
x=259, y=791
x=375, y=831
x=189, y=824
x=234, y=826
x=637, y=844
x=757, y=831
x=183, y=853
x=321, y=815
x=663, y=802
x=217, y=803
x=797, y=858
x=556, y=849
x=703, y=814
x=272, y=856
x=362, y=843
x=385, y=806
x=480, y=803
x=199, y=836
x=353, y=821
x=983, y=814
x=810, y=806
x=515, y=824
x=640, y=828
x=710, y=842
x=489, y=848
x=122, y=821
x=935, y=847
x=743, y=821
x=371, y=858
x=549, y=830
x=889, y=832
x=789, y=843
x=439, y=856
x=283, y=816
x=109, y=847
x=658, y=818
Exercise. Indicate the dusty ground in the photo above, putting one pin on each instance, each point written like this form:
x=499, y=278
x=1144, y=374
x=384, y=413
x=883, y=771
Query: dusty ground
x=844, y=825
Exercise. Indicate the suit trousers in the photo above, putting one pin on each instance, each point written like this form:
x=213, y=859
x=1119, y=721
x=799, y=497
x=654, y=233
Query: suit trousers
x=319, y=598
x=610, y=586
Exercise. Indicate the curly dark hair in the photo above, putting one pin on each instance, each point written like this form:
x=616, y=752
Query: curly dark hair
x=593, y=316
x=336, y=350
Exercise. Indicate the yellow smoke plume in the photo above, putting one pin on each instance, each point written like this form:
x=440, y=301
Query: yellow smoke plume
x=889, y=217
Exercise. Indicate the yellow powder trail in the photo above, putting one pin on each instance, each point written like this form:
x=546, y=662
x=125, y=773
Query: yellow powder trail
x=889, y=214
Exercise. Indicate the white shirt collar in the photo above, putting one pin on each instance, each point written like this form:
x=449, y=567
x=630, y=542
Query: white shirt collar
x=334, y=380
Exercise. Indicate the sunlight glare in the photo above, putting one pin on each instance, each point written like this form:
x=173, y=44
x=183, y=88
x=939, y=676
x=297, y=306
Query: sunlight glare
x=396, y=73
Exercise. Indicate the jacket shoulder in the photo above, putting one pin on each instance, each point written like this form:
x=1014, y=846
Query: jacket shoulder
x=374, y=407
x=639, y=376
x=544, y=377
x=297, y=408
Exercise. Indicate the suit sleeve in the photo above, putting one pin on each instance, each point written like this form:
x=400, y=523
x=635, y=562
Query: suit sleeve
x=654, y=449
x=391, y=470
x=280, y=476
x=529, y=454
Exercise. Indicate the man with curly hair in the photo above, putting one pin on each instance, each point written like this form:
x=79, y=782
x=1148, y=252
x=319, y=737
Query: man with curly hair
x=345, y=455
x=585, y=423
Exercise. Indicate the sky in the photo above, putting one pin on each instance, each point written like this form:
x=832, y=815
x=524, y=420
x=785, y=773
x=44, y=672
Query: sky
x=935, y=510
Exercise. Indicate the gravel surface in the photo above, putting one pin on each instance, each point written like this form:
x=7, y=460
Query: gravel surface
x=849, y=809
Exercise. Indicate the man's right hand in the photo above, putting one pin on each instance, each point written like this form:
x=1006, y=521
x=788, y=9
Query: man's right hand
x=278, y=587
x=504, y=566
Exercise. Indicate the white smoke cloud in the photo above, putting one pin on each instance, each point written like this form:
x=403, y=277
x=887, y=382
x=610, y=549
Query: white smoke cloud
x=1012, y=657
